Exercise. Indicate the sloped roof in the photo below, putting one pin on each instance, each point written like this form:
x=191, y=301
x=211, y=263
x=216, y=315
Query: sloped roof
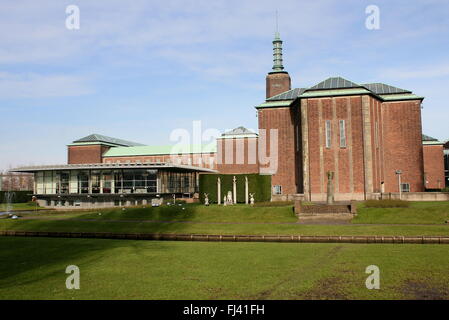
x=238, y=132
x=334, y=83
x=428, y=138
x=288, y=95
x=105, y=139
x=382, y=88
x=338, y=86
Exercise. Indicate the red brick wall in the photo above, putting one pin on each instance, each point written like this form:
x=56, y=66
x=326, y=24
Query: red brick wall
x=434, y=166
x=277, y=83
x=85, y=154
x=239, y=160
x=346, y=162
x=403, y=144
x=282, y=119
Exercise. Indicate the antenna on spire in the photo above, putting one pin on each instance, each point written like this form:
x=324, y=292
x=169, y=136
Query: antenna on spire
x=277, y=48
x=277, y=24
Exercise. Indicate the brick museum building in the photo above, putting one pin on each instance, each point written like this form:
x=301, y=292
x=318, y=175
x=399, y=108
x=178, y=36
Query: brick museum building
x=369, y=135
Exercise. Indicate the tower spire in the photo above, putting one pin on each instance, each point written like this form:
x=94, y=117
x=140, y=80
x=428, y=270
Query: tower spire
x=278, y=80
x=277, y=49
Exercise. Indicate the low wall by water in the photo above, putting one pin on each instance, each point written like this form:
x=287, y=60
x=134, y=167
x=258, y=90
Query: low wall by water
x=234, y=238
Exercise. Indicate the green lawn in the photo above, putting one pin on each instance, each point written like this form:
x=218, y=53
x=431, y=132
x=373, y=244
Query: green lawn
x=34, y=268
x=21, y=206
x=418, y=213
x=238, y=219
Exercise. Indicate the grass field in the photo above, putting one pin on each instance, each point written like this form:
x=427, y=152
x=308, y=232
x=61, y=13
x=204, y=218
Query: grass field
x=34, y=268
x=418, y=213
x=21, y=206
x=238, y=219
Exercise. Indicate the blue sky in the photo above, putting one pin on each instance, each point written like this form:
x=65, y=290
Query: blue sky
x=138, y=69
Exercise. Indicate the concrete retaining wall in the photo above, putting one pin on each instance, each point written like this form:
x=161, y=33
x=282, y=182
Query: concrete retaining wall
x=234, y=238
x=418, y=196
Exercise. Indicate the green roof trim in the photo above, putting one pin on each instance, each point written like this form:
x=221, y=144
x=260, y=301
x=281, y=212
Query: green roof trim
x=159, y=150
x=334, y=92
x=392, y=97
x=275, y=104
x=432, y=143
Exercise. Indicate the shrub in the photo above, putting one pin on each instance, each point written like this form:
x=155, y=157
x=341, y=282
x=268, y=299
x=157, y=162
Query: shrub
x=387, y=203
x=446, y=189
x=260, y=185
x=19, y=196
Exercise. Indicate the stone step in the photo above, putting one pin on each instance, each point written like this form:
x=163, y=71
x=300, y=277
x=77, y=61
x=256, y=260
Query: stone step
x=319, y=208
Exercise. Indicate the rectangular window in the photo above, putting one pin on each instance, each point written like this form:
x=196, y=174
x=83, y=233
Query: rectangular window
x=405, y=187
x=277, y=189
x=328, y=133
x=297, y=138
x=342, y=134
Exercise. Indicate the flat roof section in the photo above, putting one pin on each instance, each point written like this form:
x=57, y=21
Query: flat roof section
x=98, y=166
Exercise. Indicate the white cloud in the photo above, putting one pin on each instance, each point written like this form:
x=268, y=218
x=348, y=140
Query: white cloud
x=31, y=85
x=414, y=72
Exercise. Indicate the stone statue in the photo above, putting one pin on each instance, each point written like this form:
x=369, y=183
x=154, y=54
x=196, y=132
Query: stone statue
x=224, y=200
x=206, y=199
x=229, y=198
x=330, y=187
x=251, y=199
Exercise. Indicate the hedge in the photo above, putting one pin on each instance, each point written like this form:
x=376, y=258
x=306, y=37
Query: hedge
x=18, y=197
x=260, y=185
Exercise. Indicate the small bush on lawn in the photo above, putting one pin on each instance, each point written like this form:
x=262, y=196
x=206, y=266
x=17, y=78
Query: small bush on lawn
x=273, y=204
x=387, y=204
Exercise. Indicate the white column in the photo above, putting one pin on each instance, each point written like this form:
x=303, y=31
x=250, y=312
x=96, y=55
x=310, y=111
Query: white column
x=234, y=190
x=246, y=190
x=218, y=190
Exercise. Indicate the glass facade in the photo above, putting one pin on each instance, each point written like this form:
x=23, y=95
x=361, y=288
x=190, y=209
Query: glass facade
x=117, y=181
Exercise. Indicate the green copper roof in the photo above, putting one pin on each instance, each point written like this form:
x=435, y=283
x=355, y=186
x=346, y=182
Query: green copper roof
x=334, y=92
x=98, y=138
x=241, y=132
x=277, y=53
x=158, y=150
x=382, y=88
x=428, y=138
x=275, y=104
x=334, y=83
x=288, y=95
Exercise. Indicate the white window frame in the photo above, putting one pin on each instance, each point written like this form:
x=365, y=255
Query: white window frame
x=342, y=126
x=277, y=189
x=328, y=133
x=405, y=187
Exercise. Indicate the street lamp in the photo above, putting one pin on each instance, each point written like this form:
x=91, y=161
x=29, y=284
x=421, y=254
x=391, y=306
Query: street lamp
x=399, y=172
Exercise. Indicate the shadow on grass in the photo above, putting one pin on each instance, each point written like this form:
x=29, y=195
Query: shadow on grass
x=27, y=260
